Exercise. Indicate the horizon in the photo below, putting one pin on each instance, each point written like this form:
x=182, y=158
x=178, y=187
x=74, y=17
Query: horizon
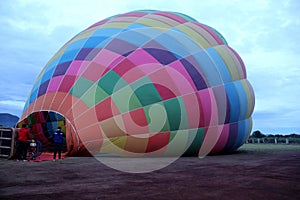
x=265, y=131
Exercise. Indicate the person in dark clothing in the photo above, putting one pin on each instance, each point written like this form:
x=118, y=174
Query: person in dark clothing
x=58, y=142
x=22, y=145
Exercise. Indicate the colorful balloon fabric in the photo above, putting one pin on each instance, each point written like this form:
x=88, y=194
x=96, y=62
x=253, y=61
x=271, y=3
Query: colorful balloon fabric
x=147, y=83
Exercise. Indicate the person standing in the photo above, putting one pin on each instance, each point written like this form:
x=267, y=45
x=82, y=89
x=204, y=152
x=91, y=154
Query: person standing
x=58, y=142
x=22, y=145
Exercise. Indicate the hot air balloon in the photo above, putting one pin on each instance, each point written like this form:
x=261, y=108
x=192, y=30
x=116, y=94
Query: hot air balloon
x=144, y=83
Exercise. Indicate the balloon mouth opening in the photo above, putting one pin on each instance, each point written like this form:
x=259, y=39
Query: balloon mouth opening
x=42, y=125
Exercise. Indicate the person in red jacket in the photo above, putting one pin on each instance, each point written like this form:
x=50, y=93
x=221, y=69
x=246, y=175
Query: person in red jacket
x=22, y=145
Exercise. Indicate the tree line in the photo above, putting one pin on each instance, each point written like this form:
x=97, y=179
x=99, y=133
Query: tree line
x=259, y=137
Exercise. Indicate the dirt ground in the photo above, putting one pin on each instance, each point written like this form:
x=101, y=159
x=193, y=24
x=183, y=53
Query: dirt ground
x=245, y=174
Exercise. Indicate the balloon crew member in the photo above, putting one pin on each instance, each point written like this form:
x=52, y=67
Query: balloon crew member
x=22, y=144
x=58, y=142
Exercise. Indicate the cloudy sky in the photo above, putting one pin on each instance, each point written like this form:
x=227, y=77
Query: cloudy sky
x=265, y=33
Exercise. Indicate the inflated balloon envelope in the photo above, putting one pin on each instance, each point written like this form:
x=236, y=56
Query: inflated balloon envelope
x=145, y=83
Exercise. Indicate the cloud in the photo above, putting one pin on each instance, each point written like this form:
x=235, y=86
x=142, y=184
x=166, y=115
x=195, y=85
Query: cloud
x=11, y=106
x=275, y=76
x=264, y=33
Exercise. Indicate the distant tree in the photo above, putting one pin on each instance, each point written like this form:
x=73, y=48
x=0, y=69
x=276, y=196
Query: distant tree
x=294, y=135
x=258, y=134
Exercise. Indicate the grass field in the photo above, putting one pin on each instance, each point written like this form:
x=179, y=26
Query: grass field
x=261, y=147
